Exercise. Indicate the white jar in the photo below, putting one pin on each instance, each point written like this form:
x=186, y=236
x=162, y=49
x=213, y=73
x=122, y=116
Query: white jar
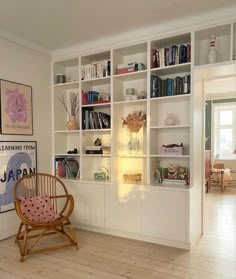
x=170, y=119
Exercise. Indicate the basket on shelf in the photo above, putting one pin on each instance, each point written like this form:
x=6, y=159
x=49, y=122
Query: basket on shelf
x=132, y=177
x=172, y=150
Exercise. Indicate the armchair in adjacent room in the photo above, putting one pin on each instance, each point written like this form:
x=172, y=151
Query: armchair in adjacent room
x=219, y=176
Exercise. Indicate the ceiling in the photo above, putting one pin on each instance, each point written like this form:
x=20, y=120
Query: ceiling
x=56, y=24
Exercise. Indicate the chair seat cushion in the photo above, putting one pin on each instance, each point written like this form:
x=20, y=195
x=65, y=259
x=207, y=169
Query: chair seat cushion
x=38, y=209
x=217, y=176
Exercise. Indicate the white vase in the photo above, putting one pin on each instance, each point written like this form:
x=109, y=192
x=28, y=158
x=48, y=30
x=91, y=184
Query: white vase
x=133, y=143
x=170, y=119
x=212, y=54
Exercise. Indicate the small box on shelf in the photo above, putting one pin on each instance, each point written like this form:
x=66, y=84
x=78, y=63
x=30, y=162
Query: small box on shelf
x=132, y=177
x=172, y=149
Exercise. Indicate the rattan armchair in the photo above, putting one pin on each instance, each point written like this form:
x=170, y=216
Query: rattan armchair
x=46, y=198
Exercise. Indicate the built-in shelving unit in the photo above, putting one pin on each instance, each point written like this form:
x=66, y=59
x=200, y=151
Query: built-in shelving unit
x=84, y=74
x=160, y=87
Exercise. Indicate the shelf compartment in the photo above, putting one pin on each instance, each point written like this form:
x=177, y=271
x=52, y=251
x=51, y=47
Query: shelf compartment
x=92, y=72
x=92, y=164
x=178, y=105
x=103, y=88
x=122, y=135
x=223, y=43
x=129, y=54
x=69, y=68
x=159, y=137
x=134, y=80
x=134, y=164
x=64, y=142
x=161, y=45
x=60, y=114
x=163, y=162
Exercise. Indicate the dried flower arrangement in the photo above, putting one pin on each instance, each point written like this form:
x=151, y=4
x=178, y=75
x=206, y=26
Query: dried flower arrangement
x=134, y=121
x=73, y=106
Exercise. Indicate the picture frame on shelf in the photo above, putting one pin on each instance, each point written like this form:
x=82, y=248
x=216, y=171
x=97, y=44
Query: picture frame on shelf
x=17, y=158
x=16, y=108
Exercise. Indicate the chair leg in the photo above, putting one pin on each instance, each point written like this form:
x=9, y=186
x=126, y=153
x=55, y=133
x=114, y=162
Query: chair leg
x=73, y=235
x=222, y=181
x=23, y=247
x=19, y=232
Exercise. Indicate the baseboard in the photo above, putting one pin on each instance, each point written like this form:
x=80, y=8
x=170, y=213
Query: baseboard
x=156, y=240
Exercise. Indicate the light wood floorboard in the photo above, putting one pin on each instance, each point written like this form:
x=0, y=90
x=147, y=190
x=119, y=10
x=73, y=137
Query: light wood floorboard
x=108, y=257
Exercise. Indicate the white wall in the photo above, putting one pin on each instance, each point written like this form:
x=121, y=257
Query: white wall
x=20, y=64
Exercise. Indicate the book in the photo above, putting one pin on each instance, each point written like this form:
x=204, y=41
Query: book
x=125, y=70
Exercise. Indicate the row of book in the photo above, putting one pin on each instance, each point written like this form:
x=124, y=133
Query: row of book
x=67, y=167
x=173, y=55
x=169, y=87
x=96, y=70
x=106, y=150
x=95, y=120
x=94, y=97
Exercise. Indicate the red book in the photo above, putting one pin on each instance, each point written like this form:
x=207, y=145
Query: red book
x=125, y=70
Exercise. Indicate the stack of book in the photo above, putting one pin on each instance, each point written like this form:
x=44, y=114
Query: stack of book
x=95, y=70
x=169, y=87
x=129, y=68
x=173, y=55
x=93, y=150
x=67, y=167
x=95, y=120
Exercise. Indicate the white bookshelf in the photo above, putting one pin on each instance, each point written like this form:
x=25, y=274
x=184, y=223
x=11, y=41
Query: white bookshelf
x=113, y=205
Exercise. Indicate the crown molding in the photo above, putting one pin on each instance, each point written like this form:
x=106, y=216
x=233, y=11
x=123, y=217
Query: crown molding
x=7, y=36
x=188, y=24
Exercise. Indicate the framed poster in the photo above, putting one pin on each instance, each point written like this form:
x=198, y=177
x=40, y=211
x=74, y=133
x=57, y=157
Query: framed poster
x=16, y=108
x=17, y=158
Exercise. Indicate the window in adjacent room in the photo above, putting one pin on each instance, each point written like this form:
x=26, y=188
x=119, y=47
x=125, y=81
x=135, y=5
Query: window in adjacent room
x=224, y=130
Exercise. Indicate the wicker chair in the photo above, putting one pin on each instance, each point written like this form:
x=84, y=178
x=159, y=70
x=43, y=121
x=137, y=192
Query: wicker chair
x=48, y=191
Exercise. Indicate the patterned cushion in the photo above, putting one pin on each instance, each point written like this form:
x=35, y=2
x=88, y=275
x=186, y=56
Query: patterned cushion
x=38, y=209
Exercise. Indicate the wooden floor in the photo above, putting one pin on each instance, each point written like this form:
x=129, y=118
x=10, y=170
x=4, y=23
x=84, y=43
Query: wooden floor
x=107, y=257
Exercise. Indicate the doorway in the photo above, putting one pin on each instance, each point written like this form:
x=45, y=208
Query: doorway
x=219, y=209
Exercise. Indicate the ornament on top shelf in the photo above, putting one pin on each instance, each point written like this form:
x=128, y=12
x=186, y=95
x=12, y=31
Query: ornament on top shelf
x=212, y=54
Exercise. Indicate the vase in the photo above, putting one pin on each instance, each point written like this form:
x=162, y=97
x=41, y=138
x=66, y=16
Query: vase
x=212, y=54
x=133, y=143
x=170, y=119
x=72, y=124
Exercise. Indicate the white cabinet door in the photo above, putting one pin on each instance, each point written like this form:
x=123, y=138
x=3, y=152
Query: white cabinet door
x=122, y=208
x=89, y=204
x=72, y=188
x=164, y=213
